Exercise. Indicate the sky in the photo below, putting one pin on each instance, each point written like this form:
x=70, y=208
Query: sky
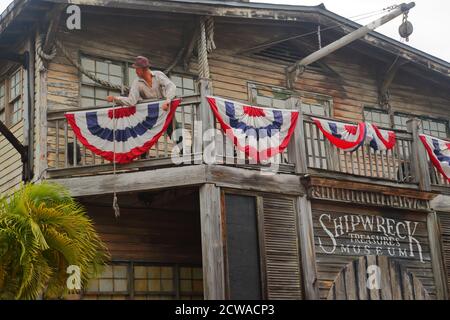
x=430, y=18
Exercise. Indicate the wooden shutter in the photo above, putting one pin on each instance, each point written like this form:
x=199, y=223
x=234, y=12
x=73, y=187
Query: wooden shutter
x=444, y=221
x=281, y=249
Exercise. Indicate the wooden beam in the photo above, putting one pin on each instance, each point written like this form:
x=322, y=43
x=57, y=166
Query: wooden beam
x=307, y=249
x=212, y=242
x=296, y=148
x=190, y=47
x=54, y=16
x=383, y=96
x=22, y=150
x=437, y=259
x=419, y=160
x=134, y=181
x=254, y=180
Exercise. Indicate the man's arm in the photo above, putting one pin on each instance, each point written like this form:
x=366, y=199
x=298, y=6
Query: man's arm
x=168, y=87
x=133, y=97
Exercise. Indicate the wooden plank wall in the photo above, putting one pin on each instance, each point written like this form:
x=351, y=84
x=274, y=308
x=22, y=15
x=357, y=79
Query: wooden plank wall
x=151, y=235
x=10, y=164
x=329, y=265
x=355, y=86
x=444, y=221
x=162, y=36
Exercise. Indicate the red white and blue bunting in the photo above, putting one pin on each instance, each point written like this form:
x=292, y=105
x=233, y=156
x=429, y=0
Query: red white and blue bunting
x=439, y=152
x=379, y=139
x=259, y=132
x=349, y=137
x=122, y=134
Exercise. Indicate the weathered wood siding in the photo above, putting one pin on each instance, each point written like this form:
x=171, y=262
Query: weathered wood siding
x=167, y=236
x=444, y=221
x=331, y=260
x=10, y=163
x=161, y=37
x=357, y=84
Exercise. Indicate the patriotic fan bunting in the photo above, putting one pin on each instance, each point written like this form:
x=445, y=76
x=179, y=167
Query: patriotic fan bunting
x=379, y=139
x=122, y=134
x=439, y=153
x=259, y=132
x=348, y=137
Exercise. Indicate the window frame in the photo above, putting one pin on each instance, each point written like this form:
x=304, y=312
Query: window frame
x=426, y=118
x=131, y=293
x=94, y=85
x=8, y=100
x=3, y=100
x=127, y=81
x=301, y=95
x=379, y=110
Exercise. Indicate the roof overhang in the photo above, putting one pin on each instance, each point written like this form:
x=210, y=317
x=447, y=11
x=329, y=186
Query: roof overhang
x=252, y=10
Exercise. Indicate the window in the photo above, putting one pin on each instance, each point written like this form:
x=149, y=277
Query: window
x=400, y=121
x=15, y=97
x=92, y=93
x=434, y=127
x=268, y=97
x=145, y=281
x=274, y=97
x=2, y=102
x=185, y=85
x=119, y=73
x=242, y=247
x=378, y=117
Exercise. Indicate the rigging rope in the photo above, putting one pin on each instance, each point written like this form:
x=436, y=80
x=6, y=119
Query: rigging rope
x=202, y=50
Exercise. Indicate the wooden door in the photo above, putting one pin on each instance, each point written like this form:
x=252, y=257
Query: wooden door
x=376, y=278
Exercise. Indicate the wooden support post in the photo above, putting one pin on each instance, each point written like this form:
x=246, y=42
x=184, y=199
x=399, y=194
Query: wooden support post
x=418, y=155
x=437, y=260
x=296, y=147
x=308, y=254
x=383, y=98
x=212, y=242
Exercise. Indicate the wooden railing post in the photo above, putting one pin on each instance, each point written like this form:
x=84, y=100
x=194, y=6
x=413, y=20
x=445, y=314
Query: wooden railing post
x=212, y=242
x=307, y=249
x=437, y=259
x=206, y=116
x=419, y=159
x=296, y=147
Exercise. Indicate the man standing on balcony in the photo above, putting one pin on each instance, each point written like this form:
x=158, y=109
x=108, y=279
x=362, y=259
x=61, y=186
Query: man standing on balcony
x=149, y=85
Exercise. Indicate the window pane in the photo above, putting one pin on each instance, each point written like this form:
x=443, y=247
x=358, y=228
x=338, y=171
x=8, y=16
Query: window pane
x=177, y=81
x=166, y=285
x=188, y=83
x=131, y=75
x=115, y=70
x=87, y=91
x=154, y=285
x=88, y=64
x=140, y=272
x=106, y=285
x=101, y=67
x=120, y=285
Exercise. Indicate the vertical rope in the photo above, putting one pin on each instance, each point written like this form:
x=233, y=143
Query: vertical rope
x=202, y=50
x=115, y=202
x=210, y=45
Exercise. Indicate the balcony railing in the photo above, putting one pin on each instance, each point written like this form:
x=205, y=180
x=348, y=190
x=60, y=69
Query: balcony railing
x=66, y=152
x=68, y=157
x=394, y=165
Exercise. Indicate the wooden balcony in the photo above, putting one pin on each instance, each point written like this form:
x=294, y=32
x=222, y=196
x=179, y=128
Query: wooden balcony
x=399, y=166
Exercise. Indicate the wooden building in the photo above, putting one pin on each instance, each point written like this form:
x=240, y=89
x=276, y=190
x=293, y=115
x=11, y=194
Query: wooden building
x=328, y=225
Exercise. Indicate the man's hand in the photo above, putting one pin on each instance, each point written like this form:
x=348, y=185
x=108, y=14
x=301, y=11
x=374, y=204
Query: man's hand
x=166, y=105
x=110, y=98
